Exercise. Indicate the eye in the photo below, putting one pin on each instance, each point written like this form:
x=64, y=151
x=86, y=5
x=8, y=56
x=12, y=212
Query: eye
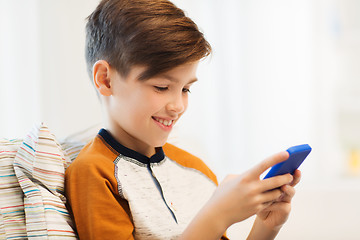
x=161, y=89
x=186, y=90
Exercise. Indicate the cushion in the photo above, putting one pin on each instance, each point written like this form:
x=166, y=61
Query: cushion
x=12, y=215
x=39, y=165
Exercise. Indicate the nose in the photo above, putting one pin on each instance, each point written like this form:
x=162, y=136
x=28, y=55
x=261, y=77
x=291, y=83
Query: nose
x=178, y=103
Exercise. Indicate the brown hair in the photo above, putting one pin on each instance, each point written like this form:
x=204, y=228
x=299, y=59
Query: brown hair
x=152, y=33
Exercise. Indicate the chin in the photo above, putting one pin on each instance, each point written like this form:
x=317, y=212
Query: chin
x=160, y=143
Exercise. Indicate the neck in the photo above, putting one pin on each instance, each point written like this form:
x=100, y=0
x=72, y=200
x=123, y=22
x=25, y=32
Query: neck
x=134, y=144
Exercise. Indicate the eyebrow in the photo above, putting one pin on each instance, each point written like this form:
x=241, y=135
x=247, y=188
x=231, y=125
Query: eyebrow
x=168, y=77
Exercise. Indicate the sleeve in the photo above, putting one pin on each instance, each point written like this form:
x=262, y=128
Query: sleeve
x=93, y=200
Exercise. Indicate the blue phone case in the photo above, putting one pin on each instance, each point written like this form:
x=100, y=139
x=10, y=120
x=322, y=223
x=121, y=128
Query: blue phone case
x=297, y=155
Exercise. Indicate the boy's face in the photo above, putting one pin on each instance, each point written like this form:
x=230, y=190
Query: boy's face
x=141, y=114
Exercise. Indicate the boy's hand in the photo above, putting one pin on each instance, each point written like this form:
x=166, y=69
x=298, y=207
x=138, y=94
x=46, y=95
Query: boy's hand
x=277, y=213
x=239, y=197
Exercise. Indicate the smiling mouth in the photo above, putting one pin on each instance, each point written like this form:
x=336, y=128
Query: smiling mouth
x=164, y=122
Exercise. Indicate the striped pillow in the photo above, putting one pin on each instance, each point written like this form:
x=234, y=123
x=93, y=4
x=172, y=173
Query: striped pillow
x=12, y=215
x=40, y=165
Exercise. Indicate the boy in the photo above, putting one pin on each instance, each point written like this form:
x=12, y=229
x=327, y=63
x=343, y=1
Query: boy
x=142, y=56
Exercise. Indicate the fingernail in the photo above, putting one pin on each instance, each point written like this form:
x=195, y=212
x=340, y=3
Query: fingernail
x=292, y=178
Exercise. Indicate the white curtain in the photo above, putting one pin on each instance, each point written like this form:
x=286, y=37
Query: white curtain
x=19, y=67
x=269, y=84
x=257, y=89
x=42, y=67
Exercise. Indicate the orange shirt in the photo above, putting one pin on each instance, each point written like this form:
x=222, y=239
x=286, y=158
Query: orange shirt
x=116, y=193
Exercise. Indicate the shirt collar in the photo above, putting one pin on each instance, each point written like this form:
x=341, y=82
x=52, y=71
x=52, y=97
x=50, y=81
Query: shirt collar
x=121, y=149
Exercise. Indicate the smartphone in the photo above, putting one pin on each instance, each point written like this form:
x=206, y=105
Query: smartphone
x=297, y=155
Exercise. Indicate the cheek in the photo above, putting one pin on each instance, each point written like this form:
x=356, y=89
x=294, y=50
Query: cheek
x=145, y=105
x=186, y=102
x=152, y=102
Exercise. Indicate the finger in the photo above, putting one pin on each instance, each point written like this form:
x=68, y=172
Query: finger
x=297, y=177
x=269, y=162
x=276, y=182
x=288, y=193
x=270, y=196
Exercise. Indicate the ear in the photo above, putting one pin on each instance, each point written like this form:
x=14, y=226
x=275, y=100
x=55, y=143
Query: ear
x=101, y=76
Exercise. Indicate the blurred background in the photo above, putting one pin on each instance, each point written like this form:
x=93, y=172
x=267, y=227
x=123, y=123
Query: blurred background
x=283, y=72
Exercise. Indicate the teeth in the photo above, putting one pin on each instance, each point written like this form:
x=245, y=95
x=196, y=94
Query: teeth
x=164, y=122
